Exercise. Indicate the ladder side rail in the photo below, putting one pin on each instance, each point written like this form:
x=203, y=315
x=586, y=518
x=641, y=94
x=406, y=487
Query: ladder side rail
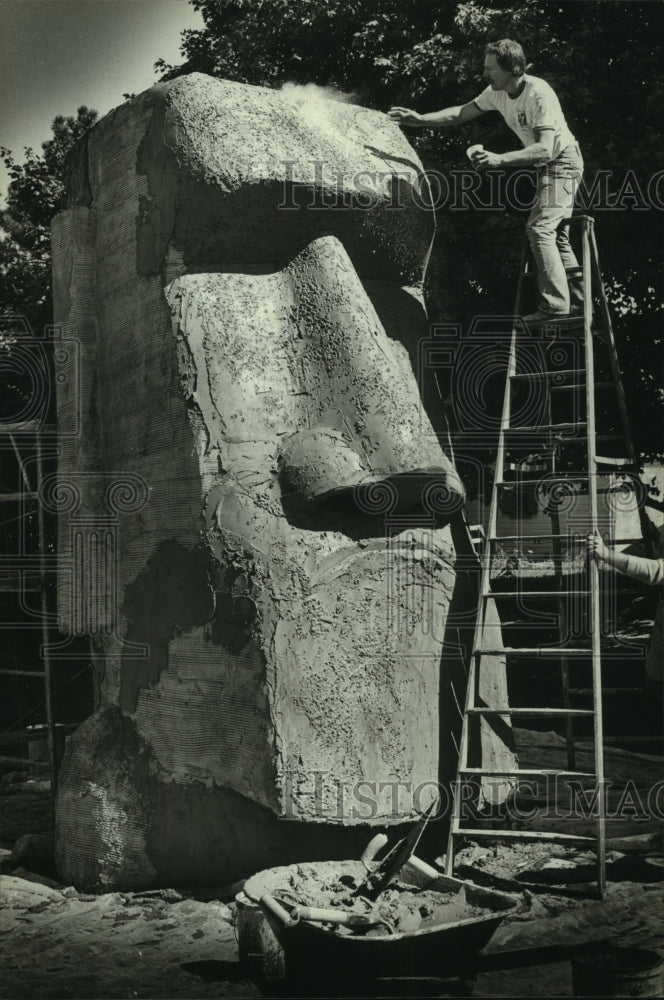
x=611, y=343
x=593, y=569
x=34, y=493
x=46, y=659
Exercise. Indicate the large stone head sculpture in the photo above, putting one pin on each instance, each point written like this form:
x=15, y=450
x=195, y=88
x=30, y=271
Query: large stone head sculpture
x=243, y=272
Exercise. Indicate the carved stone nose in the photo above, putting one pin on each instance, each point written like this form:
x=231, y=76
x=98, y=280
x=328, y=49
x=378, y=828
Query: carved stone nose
x=318, y=462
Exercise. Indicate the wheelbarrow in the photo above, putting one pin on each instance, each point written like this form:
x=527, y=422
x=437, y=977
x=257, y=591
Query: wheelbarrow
x=275, y=947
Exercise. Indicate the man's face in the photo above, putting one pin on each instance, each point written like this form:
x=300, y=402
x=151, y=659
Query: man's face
x=497, y=77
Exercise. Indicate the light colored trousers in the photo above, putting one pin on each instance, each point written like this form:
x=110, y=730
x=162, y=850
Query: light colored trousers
x=557, y=184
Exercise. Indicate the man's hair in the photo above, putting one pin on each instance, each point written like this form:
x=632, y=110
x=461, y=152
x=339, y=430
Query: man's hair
x=509, y=56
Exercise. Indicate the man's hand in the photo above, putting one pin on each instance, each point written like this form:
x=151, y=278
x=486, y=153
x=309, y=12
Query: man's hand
x=598, y=549
x=404, y=116
x=483, y=159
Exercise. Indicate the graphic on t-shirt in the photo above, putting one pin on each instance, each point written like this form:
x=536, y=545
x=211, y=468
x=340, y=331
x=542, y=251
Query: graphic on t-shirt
x=522, y=118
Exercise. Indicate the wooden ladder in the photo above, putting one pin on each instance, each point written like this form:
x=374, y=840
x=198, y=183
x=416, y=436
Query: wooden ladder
x=28, y=572
x=565, y=444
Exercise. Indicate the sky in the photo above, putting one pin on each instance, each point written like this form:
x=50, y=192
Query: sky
x=58, y=54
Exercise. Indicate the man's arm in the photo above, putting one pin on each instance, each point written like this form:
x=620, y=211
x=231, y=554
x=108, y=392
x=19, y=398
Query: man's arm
x=539, y=152
x=638, y=567
x=436, y=119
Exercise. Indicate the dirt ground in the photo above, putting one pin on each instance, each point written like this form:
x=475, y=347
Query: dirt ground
x=58, y=943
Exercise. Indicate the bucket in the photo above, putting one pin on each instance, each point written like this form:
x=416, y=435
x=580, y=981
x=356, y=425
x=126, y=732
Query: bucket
x=618, y=972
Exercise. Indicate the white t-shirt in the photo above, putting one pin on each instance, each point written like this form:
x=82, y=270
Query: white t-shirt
x=537, y=106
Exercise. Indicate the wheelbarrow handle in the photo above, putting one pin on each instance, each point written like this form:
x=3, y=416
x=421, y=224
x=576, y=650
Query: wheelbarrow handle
x=277, y=910
x=329, y=916
x=375, y=845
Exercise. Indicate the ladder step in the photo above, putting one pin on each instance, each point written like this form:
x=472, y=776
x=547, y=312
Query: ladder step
x=562, y=372
x=578, y=439
x=570, y=426
x=539, y=652
x=577, y=538
x=605, y=690
x=616, y=463
x=568, y=270
x=576, y=320
x=536, y=593
x=27, y=495
x=550, y=483
x=524, y=835
x=580, y=385
x=616, y=740
x=544, y=712
x=556, y=479
x=527, y=773
x=23, y=673
x=17, y=760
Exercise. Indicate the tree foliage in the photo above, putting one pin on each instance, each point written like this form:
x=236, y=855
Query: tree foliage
x=603, y=57
x=35, y=195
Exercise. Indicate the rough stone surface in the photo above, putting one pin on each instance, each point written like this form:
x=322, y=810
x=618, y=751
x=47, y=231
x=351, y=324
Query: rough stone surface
x=254, y=503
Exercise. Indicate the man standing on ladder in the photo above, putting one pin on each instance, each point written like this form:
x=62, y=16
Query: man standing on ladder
x=532, y=110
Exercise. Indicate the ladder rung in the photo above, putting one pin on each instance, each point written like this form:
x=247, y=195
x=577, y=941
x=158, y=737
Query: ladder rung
x=562, y=372
x=605, y=690
x=524, y=835
x=581, y=385
x=579, y=439
x=568, y=270
x=563, y=478
x=29, y=426
x=616, y=463
x=559, y=712
x=23, y=673
x=575, y=320
x=555, y=480
x=570, y=426
x=27, y=495
x=539, y=652
x=657, y=738
x=527, y=773
x=578, y=538
x=536, y=593
x=17, y=760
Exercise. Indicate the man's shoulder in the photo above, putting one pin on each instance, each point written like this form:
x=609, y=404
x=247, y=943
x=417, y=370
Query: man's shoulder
x=537, y=87
x=489, y=96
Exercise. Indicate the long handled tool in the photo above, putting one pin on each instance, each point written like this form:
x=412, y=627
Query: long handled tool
x=319, y=914
x=391, y=865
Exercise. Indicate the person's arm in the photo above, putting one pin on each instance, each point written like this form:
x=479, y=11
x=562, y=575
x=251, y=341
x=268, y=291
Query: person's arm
x=638, y=567
x=539, y=152
x=436, y=119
